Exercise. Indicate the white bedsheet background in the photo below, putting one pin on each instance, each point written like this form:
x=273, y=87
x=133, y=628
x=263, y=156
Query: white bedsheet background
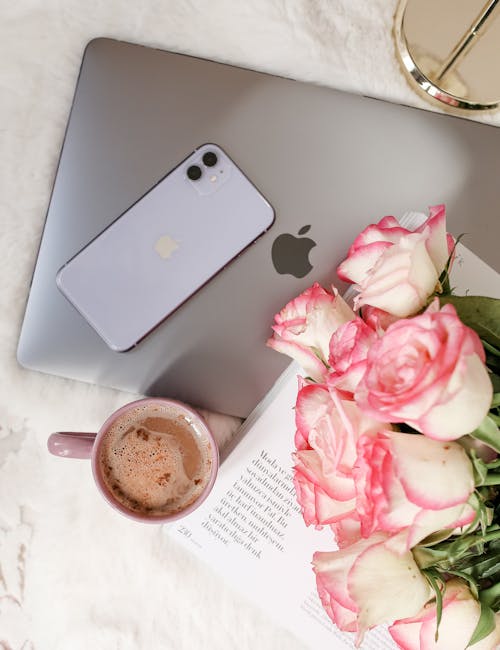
x=73, y=574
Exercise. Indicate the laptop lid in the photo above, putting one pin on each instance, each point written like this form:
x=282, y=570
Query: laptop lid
x=328, y=162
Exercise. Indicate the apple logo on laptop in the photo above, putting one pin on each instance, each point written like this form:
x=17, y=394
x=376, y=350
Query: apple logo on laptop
x=290, y=254
x=165, y=246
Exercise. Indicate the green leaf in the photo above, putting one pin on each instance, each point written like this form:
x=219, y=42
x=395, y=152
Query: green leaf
x=496, y=399
x=483, y=514
x=434, y=578
x=480, y=313
x=490, y=569
x=491, y=349
x=465, y=545
x=480, y=469
x=476, y=503
x=491, y=597
x=493, y=365
x=482, y=567
x=485, y=625
x=488, y=433
x=427, y=557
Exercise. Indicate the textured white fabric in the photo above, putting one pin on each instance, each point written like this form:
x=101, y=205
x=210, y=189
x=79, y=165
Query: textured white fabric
x=73, y=575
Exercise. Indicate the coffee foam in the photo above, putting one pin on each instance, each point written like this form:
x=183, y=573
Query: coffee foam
x=154, y=460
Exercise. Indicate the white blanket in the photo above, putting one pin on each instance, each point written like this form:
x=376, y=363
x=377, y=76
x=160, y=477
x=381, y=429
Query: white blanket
x=73, y=574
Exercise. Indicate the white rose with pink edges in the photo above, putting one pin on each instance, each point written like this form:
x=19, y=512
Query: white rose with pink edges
x=368, y=584
x=327, y=431
x=302, y=329
x=391, y=495
x=460, y=615
x=429, y=372
x=395, y=269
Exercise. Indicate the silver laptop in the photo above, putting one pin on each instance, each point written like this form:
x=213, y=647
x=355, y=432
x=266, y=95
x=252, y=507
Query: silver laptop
x=328, y=163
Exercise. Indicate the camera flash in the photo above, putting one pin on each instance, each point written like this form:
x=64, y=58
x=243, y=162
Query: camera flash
x=213, y=179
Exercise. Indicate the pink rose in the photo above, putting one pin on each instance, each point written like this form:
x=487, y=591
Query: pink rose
x=461, y=613
x=303, y=328
x=349, y=347
x=327, y=431
x=368, y=583
x=429, y=372
x=377, y=319
x=396, y=269
x=409, y=483
x=347, y=531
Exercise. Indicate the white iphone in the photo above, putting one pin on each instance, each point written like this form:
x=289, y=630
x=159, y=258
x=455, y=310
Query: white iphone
x=165, y=247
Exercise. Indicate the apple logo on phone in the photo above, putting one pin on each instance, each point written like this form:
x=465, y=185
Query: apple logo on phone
x=165, y=246
x=290, y=254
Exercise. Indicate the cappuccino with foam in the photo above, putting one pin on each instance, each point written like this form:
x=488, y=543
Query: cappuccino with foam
x=155, y=460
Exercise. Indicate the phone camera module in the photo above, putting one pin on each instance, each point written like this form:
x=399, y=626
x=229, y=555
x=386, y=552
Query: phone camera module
x=209, y=159
x=194, y=173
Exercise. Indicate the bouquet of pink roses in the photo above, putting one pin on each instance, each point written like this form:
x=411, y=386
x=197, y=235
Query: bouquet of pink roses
x=397, y=441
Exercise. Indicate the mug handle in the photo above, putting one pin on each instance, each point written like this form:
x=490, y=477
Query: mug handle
x=71, y=444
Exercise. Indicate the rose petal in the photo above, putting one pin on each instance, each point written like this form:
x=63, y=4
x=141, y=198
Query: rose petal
x=388, y=229
x=334, y=483
x=407, y=636
x=357, y=266
x=401, y=280
x=313, y=402
x=466, y=410
x=429, y=521
x=347, y=531
x=437, y=243
x=404, y=591
x=313, y=366
x=448, y=473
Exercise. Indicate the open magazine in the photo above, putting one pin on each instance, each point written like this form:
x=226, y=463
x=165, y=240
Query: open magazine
x=250, y=528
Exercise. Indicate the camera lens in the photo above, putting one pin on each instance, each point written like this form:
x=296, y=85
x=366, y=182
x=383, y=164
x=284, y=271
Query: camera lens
x=194, y=172
x=209, y=159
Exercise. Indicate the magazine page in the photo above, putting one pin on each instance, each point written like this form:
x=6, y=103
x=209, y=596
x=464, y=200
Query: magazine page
x=471, y=276
x=250, y=528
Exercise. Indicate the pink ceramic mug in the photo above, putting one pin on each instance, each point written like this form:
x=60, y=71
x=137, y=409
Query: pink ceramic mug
x=88, y=445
